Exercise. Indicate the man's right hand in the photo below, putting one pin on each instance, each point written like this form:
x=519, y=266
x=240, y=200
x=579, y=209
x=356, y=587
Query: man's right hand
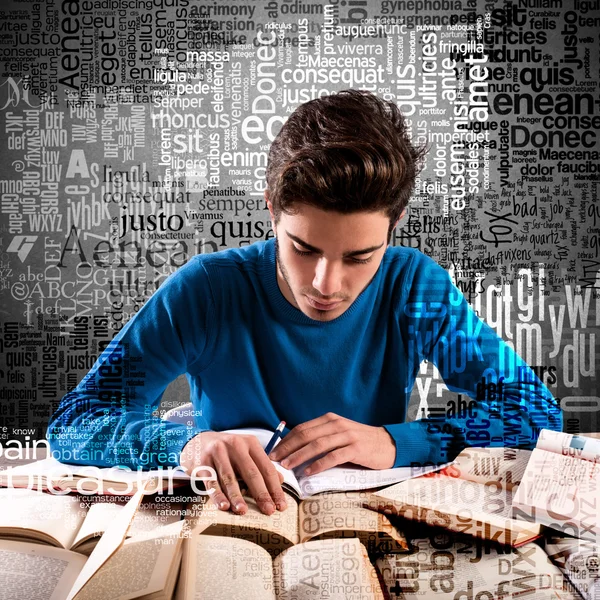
x=232, y=455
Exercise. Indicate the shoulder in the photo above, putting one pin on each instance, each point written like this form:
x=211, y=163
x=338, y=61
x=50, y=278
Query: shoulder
x=406, y=255
x=426, y=291
x=210, y=281
x=234, y=258
x=233, y=264
x=411, y=267
x=233, y=271
x=418, y=284
x=224, y=262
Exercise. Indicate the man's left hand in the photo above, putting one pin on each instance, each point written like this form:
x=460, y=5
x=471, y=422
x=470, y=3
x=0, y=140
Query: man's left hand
x=336, y=440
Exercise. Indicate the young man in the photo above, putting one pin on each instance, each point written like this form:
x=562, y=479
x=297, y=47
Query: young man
x=324, y=327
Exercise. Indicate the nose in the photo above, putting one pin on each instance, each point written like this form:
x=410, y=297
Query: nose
x=328, y=277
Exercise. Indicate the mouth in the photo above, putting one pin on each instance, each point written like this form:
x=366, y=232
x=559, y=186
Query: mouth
x=323, y=305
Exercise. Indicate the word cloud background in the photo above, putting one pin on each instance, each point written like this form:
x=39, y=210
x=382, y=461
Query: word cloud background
x=134, y=134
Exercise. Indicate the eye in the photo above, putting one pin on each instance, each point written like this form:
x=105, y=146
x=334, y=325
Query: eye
x=361, y=261
x=301, y=252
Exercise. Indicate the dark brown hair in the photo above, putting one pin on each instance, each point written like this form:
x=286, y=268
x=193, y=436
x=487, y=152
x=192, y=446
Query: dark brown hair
x=346, y=152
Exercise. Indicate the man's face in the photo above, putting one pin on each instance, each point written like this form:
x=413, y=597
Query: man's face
x=326, y=259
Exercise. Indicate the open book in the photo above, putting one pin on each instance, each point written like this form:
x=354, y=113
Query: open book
x=222, y=568
x=474, y=495
x=50, y=474
x=561, y=486
x=338, y=515
x=579, y=560
x=453, y=571
x=144, y=566
x=70, y=522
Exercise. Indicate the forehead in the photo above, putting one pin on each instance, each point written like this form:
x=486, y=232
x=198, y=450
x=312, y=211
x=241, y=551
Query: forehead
x=334, y=227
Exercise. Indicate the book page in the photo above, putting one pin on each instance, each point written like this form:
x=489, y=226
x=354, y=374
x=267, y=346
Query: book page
x=579, y=561
x=222, y=568
x=486, y=465
x=144, y=564
x=101, y=514
x=109, y=543
x=273, y=532
x=36, y=572
x=290, y=481
x=349, y=477
x=456, y=504
x=567, y=444
x=343, y=515
x=99, y=517
x=562, y=492
x=334, y=568
x=57, y=518
x=456, y=495
x=462, y=570
x=152, y=515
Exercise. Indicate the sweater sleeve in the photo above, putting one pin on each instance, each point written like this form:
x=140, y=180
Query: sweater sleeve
x=507, y=403
x=107, y=419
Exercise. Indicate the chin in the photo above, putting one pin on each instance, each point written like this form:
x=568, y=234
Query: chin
x=323, y=315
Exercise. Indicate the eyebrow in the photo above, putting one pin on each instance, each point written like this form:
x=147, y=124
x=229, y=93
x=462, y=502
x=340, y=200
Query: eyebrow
x=319, y=251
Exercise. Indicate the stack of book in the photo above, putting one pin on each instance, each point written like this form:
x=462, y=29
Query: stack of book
x=478, y=529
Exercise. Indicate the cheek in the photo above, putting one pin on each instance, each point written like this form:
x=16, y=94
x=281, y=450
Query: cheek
x=305, y=274
x=300, y=270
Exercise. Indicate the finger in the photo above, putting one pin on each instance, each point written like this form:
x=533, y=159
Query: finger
x=316, y=441
x=228, y=481
x=273, y=479
x=302, y=435
x=252, y=475
x=308, y=436
x=319, y=446
x=216, y=493
x=330, y=460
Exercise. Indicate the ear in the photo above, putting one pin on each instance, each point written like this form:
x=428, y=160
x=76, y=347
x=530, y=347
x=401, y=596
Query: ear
x=402, y=215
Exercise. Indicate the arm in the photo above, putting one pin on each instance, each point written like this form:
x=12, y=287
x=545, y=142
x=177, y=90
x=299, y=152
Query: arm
x=107, y=419
x=510, y=404
x=439, y=326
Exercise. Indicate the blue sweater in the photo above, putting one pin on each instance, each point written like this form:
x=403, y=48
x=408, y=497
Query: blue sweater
x=252, y=359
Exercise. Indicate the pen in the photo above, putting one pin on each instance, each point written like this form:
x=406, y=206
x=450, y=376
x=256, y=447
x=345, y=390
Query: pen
x=276, y=436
